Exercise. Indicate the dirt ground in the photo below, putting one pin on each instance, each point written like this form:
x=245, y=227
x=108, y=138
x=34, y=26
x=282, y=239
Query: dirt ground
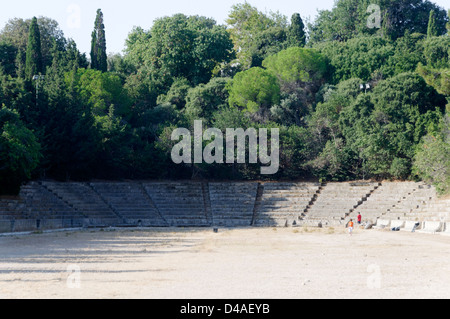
x=269, y=263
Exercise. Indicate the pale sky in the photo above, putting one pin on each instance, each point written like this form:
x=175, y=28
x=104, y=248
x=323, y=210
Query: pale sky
x=76, y=17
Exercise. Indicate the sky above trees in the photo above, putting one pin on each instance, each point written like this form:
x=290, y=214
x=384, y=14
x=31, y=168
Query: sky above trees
x=76, y=17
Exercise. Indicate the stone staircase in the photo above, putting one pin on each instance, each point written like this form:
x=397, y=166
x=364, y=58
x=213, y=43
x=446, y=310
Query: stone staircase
x=395, y=201
x=283, y=204
x=180, y=203
x=410, y=205
x=131, y=202
x=85, y=201
x=432, y=209
x=384, y=198
x=40, y=203
x=336, y=202
x=37, y=208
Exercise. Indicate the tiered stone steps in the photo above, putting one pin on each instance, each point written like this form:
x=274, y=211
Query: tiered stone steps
x=180, y=203
x=387, y=196
x=131, y=202
x=85, y=201
x=37, y=208
x=409, y=208
x=232, y=204
x=282, y=204
x=336, y=202
x=397, y=201
x=435, y=210
x=53, y=205
x=40, y=203
x=9, y=212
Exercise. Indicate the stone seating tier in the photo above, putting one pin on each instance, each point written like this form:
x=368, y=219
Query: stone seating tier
x=201, y=204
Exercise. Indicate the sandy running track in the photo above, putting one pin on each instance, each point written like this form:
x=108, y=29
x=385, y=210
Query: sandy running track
x=288, y=263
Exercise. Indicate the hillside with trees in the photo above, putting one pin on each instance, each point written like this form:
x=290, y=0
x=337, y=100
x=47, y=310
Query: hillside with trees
x=351, y=102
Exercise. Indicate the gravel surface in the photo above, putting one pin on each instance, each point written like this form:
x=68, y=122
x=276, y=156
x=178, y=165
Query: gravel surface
x=266, y=263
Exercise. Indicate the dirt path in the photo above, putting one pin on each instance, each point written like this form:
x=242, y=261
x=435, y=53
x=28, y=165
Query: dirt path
x=269, y=263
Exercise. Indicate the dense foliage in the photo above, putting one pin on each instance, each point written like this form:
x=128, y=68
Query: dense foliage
x=350, y=101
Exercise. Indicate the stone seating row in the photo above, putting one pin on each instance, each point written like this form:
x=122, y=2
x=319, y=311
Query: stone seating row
x=394, y=200
x=130, y=201
x=221, y=204
x=179, y=204
x=431, y=227
x=232, y=204
x=337, y=201
x=276, y=209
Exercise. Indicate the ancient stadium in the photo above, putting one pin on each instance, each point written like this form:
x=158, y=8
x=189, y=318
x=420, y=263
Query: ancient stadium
x=224, y=240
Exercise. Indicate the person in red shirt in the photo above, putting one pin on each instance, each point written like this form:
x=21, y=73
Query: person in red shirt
x=359, y=218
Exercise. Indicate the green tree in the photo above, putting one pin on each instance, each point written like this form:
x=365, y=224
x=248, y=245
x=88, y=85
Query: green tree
x=15, y=93
x=432, y=28
x=245, y=23
x=8, y=54
x=206, y=99
x=34, y=64
x=360, y=57
x=190, y=47
x=120, y=66
x=99, y=58
x=177, y=93
x=348, y=19
x=296, y=32
x=413, y=15
x=432, y=159
x=265, y=44
x=73, y=58
x=437, y=78
x=404, y=107
x=19, y=152
x=435, y=68
x=373, y=134
x=65, y=126
x=298, y=66
x=137, y=46
x=296, y=149
x=408, y=53
x=254, y=91
x=300, y=72
x=16, y=33
x=333, y=153
x=448, y=23
x=100, y=90
x=437, y=52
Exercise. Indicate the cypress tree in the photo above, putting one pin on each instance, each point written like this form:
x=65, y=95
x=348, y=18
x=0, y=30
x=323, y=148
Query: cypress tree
x=94, y=50
x=98, y=44
x=296, y=33
x=33, y=64
x=432, y=28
